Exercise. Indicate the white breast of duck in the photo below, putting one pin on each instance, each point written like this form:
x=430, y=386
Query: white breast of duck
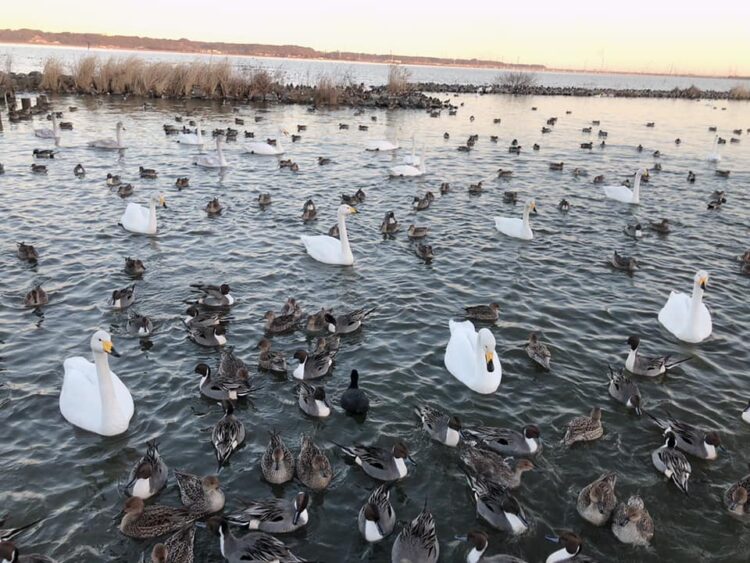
x=517, y=525
x=400, y=466
x=221, y=339
x=630, y=361
x=372, y=532
x=559, y=555
x=474, y=556
x=322, y=408
x=452, y=437
x=532, y=444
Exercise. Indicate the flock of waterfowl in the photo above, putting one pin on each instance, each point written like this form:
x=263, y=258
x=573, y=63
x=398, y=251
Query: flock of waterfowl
x=494, y=459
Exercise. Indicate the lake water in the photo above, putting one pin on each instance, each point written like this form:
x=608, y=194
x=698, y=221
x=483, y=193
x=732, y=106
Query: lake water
x=26, y=58
x=558, y=284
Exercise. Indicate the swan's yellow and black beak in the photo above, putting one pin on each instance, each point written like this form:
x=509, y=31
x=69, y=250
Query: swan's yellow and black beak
x=703, y=282
x=353, y=209
x=110, y=349
x=163, y=202
x=489, y=358
x=533, y=209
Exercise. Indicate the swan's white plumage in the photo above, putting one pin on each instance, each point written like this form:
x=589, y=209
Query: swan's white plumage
x=408, y=170
x=382, y=145
x=465, y=357
x=192, y=139
x=92, y=396
x=213, y=160
x=53, y=133
x=517, y=228
x=331, y=250
x=687, y=317
x=625, y=194
x=263, y=148
x=110, y=144
x=139, y=219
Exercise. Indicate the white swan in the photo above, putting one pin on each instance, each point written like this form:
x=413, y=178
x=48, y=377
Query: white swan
x=46, y=133
x=382, y=145
x=264, y=148
x=138, y=219
x=110, y=144
x=714, y=156
x=625, y=194
x=412, y=158
x=470, y=357
x=330, y=250
x=192, y=139
x=213, y=160
x=408, y=170
x=93, y=397
x=687, y=317
x=517, y=228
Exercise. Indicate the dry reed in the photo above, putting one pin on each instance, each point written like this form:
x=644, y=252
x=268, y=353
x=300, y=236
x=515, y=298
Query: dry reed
x=327, y=91
x=398, y=80
x=739, y=92
x=52, y=75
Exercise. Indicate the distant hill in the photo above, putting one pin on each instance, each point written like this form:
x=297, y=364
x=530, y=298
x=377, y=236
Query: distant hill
x=134, y=43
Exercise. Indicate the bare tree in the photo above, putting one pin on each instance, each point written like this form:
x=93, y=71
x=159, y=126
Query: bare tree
x=516, y=82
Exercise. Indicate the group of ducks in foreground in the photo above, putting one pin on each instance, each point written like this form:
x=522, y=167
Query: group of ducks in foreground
x=494, y=459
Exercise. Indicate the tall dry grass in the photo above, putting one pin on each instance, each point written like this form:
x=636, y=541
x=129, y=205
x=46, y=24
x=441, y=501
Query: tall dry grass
x=327, y=91
x=83, y=72
x=739, y=92
x=398, y=80
x=52, y=75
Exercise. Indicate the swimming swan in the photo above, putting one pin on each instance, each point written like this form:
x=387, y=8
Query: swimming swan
x=213, y=160
x=110, y=144
x=518, y=228
x=625, y=194
x=92, y=396
x=382, y=145
x=46, y=133
x=138, y=219
x=470, y=357
x=408, y=170
x=192, y=139
x=330, y=250
x=264, y=148
x=687, y=317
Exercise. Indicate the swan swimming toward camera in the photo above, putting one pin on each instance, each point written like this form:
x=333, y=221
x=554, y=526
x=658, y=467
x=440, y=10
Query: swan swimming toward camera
x=412, y=158
x=625, y=194
x=115, y=144
x=686, y=317
x=330, y=250
x=93, y=397
x=213, y=160
x=192, y=139
x=470, y=357
x=518, y=228
x=138, y=219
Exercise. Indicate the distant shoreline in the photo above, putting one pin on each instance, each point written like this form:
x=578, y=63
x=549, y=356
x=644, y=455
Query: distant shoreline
x=37, y=38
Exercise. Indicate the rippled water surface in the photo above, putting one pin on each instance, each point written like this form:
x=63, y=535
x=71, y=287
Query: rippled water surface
x=558, y=284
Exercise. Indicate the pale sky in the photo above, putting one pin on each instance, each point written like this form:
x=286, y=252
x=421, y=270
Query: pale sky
x=632, y=35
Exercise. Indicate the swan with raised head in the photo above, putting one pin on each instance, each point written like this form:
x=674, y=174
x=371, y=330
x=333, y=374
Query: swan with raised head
x=625, y=194
x=115, y=144
x=330, y=250
x=264, y=148
x=138, y=219
x=518, y=228
x=192, y=139
x=213, y=160
x=412, y=158
x=714, y=156
x=471, y=358
x=93, y=397
x=686, y=317
x=408, y=170
x=46, y=133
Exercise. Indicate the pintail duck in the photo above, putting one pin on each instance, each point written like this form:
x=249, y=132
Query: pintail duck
x=143, y=522
x=497, y=506
x=123, y=298
x=720, y=173
x=178, y=547
x=380, y=463
x=149, y=475
x=475, y=189
x=718, y=198
x=672, y=463
x=38, y=168
x=327, y=344
x=214, y=207
x=358, y=197
x=228, y=434
x=270, y=360
x=584, y=428
x=309, y=213
x=556, y=165
x=421, y=204
x=292, y=307
x=445, y=187
x=631, y=522
x=7, y=534
x=507, y=441
x=264, y=199
x=504, y=173
x=214, y=296
x=322, y=161
x=148, y=173
x=425, y=252
x=254, y=547
x=313, y=366
x=348, y=322
x=538, y=351
x=536, y=147
x=691, y=177
x=224, y=386
x=27, y=252
x=313, y=467
x=354, y=400
x=415, y=232
x=661, y=227
x=479, y=543
x=587, y=146
x=312, y=400
x=182, y=182
x=134, y=267
x=563, y=206
x=36, y=297
x=573, y=545
x=113, y=180
x=634, y=231
x=492, y=467
x=649, y=366
x=377, y=518
x=201, y=495
x=43, y=153
x=736, y=497
x=597, y=500
x=389, y=225
x=417, y=540
x=690, y=439
x=11, y=554
x=622, y=262
x=125, y=190
x=277, y=463
x=274, y=516
x=209, y=336
x=624, y=390
x=439, y=426
x=599, y=179
x=447, y=135
x=317, y=321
